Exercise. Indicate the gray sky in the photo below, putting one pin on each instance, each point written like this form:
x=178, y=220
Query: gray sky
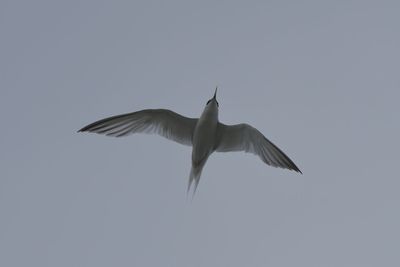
x=319, y=78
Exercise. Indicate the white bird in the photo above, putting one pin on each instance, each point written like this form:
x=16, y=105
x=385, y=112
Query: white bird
x=205, y=134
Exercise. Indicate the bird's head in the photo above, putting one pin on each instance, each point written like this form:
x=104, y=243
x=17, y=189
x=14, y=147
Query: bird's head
x=211, y=108
x=213, y=101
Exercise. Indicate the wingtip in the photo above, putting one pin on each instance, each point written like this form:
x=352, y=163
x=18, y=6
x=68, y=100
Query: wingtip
x=84, y=129
x=296, y=169
x=293, y=167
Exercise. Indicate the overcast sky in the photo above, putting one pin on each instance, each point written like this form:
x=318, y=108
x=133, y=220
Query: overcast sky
x=319, y=78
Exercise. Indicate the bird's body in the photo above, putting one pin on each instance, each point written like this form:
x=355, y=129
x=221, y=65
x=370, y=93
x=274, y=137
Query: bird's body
x=205, y=134
x=204, y=141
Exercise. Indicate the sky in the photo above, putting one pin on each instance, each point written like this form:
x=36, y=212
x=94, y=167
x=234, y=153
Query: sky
x=318, y=78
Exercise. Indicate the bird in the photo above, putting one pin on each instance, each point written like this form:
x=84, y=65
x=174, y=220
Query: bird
x=204, y=134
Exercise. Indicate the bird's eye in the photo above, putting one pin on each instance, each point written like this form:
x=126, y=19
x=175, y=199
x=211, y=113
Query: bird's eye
x=208, y=101
x=217, y=103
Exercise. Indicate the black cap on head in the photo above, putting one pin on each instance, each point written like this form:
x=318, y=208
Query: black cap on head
x=214, y=97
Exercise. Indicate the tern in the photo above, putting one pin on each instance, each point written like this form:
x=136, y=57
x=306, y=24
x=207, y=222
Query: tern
x=205, y=135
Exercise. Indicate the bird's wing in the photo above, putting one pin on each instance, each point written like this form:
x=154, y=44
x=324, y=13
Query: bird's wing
x=159, y=121
x=243, y=137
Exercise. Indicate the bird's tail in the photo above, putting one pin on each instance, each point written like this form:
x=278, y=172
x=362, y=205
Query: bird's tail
x=195, y=174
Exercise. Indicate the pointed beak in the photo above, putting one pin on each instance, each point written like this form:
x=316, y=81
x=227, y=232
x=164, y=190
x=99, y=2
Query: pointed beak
x=215, y=94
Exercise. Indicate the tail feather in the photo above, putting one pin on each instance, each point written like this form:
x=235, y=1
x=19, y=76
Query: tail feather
x=194, y=176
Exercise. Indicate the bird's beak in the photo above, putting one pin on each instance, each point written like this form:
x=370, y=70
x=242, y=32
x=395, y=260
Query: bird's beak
x=215, y=94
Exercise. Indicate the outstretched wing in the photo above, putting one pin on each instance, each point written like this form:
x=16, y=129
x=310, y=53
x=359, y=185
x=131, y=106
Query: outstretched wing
x=243, y=137
x=164, y=122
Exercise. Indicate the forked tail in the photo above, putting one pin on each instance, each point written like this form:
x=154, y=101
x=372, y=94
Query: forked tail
x=195, y=174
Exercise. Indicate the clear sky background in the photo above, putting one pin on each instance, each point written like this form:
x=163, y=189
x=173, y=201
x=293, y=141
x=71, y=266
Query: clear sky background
x=318, y=78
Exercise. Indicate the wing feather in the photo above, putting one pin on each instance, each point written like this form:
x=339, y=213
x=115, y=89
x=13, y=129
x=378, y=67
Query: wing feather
x=163, y=122
x=243, y=137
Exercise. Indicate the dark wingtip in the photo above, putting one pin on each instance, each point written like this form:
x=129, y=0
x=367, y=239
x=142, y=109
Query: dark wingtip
x=295, y=168
x=84, y=129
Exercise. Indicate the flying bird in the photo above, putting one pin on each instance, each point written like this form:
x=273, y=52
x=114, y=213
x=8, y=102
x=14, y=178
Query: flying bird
x=205, y=135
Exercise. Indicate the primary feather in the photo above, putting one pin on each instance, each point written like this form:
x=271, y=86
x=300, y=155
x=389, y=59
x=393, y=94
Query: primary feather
x=243, y=137
x=164, y=122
